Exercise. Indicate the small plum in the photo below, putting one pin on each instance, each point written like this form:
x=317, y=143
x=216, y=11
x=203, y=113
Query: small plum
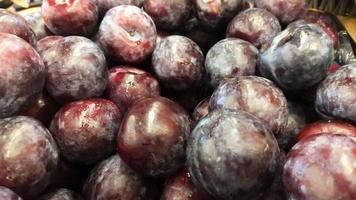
x=61, y=194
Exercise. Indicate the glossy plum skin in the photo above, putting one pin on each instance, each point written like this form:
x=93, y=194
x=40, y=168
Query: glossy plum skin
x=255, y=25
x=128, y=84
x=216, y=13
x=61, y=194
x=285, y=10
x=230, y=58
x=152, y=136
x=36, y=22
x=112, y=179
x=170, y=14
x=292, y=63
x=47, y=42
x=255, y=95
x=28, y=156
x=22, y=75
x=335, y=96
x=15, y=24
x=178, y=63
x=127, y=34
x=85, y=130
x=105, y=5
x=76, y=69
x=232, y=155
x=321, y=167
x=7, y=194
x=74, y=17
x=201, y=110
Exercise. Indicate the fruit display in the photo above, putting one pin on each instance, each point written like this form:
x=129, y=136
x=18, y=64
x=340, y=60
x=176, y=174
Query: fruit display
x=176, y=100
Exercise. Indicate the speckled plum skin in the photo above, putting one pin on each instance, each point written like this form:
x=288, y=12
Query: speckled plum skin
x=178, y=62
x=127, y=34
x=85, y=130
x=28, y=156
x=230, y=58
x=285, y=10
x=76, y=69
x=15, y=24
x=105, y=5
x=169, y=14
x=255, y=25
x=216, y=13
x=152, y=136
x=335, y=97
x=46, y=43
x=61, y=194
x=22, y=75
x=298, y=58
x=128, y=84
x=7, y=194
x=321, y=167
x=232, y=155
x=112, y=179
x=73, y=17
x=255, y=95
x=36, y=22
x=201, y=110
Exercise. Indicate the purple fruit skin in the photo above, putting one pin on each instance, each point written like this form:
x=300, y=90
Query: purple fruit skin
x=7, y=194
x=61, y=194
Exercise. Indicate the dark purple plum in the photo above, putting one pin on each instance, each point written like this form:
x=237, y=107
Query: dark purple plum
x=47, y=42
x=61, y=194
x=201, y=110
x=105, y=5
x=152, y=136
x=230, y=58
x=85, y=130
x=299, y=57
x=232, y=155
x=28, y=156
x=257, y=96
x=7, y=194
x=255, y=25
x=34, y=18
x=22, y=75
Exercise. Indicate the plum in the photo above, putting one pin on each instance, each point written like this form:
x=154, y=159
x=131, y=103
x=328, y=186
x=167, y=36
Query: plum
x=201, y=110
x=7, y=194
x=127, y=34
x=152, y=136
x=178, y=63
x=298, y=58
x=28, y=155
x=216, y=13
x=74, y=17
x=34, y=18
x=15, y=24
x=61, y=194
x=128, y=84
x=230, y=58
x=255, y=25
x=105, y=5
x=170, y=14
x=22, y=75
x=85, y=130
x=47, y=42
x=285, y=10
x=76, y=69
x=346, y=54
x=335, y=97
x=255, y=95
x=232, y=155
x=321, y=167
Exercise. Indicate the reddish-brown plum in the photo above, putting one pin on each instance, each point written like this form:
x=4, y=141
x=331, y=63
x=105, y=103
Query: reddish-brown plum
x=321, y=167
x=178, y=63
x=169, y=14
x=129, y=84
x=47, y=42
x=76, y=69
x=22, y=75
x=255, y=95
x=255, y=25
x=61, y=194
x=15, y=24
x=232, y=155
x=285, y=10
x=152, y=136
x=34, y=18
x=127, y=34
x=28, y=156
x=201, y=110
x=216, y=13
x=328, y=127
x=298, y=57
x=230, y=58
x=335, y=97
x=105, y=5
x=85, y=130
x=7, y=194
x=74, y=17
x=112, y=179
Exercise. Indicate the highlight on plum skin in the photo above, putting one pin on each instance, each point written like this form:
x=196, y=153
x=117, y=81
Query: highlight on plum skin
x=7, y=194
